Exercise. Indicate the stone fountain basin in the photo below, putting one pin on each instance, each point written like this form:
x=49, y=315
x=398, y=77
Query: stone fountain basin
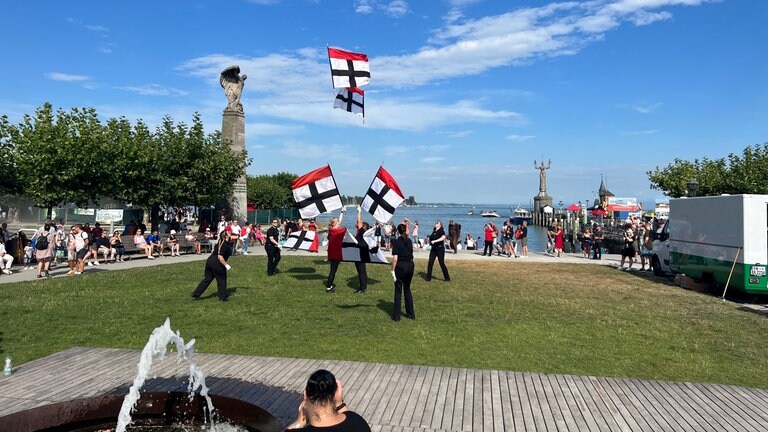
x=154, y=408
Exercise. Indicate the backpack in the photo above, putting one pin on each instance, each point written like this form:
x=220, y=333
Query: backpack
x=42, y=242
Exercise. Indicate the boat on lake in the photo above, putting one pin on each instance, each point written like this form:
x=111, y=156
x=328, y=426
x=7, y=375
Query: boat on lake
x=470, y=212
x=489, y=214
x=520, y=214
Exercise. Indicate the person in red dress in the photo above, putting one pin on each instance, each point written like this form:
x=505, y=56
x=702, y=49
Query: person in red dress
x=315, y=246
x=559, y=240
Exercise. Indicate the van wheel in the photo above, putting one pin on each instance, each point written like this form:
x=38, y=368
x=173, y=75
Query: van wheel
x=656, y=265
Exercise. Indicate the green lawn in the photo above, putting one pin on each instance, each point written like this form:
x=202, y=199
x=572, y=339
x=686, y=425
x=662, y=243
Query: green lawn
x=552, y=318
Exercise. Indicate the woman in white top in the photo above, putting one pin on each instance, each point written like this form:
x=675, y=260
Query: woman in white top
x=141, y=243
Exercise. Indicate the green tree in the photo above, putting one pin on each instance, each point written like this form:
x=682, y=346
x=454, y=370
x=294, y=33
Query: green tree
x=57, y=156
x=271, y=191
x=9, y=179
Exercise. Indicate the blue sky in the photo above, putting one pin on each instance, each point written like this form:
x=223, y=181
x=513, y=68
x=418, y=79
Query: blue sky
x=464, y=94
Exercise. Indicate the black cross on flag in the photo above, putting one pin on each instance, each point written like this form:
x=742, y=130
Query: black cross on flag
x=300, y=240
x=348, y=69
x=316, y=192
x=383, y=196
x=351, y=99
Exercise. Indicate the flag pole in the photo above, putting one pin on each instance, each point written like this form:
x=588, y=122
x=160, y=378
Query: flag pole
x=330, y=66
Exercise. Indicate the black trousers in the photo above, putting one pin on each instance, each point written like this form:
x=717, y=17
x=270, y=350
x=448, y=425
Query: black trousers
x=439, y=253
x=596, y=248
x=213, y=271
x=362, y=274
x=273, y=258
x=488, y=247
x=454, y=240
x=404, y=275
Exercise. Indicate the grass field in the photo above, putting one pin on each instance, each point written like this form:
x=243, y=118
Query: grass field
x=552, y=318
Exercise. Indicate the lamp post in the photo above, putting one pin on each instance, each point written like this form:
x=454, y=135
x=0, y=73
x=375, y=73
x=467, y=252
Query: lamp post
x=693, y=187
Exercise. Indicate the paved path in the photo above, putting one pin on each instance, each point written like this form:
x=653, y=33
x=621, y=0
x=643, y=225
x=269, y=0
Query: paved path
x=141, y=261
x=405, y=398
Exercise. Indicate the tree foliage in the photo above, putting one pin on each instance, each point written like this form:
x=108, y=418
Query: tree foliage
x=271, y=191
x=62, y=157
x=737, y=174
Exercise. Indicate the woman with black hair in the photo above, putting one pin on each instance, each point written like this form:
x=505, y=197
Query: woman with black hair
x=323, y=407
x=437, y=250
x=216, y=267
x=402, y=272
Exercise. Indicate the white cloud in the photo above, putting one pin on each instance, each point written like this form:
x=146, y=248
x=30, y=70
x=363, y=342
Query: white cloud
x=471, y=47
x=647, y=109
x=154, y=90
x=396, y=8
x=272, y=129
x=640, y=132
x=520, y=138
x=461, y=134
x=96, y=28
x=432, y=159
x=58, y=76
x=364, y=6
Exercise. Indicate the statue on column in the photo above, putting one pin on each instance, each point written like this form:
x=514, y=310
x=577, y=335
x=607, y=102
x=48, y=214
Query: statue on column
x=542, y=175
x=232, y=83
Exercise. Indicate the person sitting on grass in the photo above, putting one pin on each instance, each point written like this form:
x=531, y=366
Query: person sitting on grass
x=142, y=245
x=323, y=407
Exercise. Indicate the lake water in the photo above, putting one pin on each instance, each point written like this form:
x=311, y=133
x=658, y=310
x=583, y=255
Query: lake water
x=427, y=215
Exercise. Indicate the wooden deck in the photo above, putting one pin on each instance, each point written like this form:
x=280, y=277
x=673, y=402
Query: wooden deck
x=407, y=398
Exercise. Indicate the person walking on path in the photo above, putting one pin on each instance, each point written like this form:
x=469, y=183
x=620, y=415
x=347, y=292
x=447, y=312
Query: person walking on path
x=44, y=246
x=216, y=267
x=402, y=272
x=273, y=247
x=437, y=250
x=597, y=243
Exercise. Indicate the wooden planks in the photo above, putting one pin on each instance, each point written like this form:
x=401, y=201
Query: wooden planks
x=405, y=398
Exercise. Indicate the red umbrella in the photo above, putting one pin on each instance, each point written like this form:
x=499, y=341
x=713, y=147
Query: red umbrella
x=573, y=207
x=598, y=212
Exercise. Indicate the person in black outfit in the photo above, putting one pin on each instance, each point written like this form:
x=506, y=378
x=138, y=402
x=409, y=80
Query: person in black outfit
x=323, y=407
x=402, y=272
x=454, y=235
x=597, y=243
x=273, y=247
x=216, y=267
x=437, y=250
x=362, y=274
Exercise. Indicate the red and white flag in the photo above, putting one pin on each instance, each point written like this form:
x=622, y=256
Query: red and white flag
x=383, y=196
x=348, y=69
x=300, y=240
x=316, y=192
x=345, y=247
x=351, y=99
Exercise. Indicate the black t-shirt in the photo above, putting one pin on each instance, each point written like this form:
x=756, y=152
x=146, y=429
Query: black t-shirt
x=103, y=241
x=402, y=248
x=436, y=234
x=226, y=252
x=525, y=231
x=352, y=423
x=272, y=233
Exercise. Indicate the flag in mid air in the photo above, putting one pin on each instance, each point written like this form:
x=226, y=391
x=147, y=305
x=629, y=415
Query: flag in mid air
x=350, y=250
x=351, y=99
x=300, y=240
x=316, y=192
x=348, y=69
x=383, y=196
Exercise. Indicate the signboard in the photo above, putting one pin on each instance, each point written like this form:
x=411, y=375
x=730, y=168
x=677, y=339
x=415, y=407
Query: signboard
x=84, y=212
x=109, y=215
x=616, y=204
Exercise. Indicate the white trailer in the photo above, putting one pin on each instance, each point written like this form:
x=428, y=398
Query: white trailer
x=705, y=236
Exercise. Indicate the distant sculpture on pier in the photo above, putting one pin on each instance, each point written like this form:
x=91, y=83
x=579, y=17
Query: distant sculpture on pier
x=542, y=175
x=232, y=83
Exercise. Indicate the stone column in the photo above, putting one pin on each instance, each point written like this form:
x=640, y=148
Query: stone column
x=233, y=131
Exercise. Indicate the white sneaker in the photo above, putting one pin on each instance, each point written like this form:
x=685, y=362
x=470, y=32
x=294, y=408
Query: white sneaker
x=6, y=271
x=96, y=263
x=90, y=264
x=77, y=273
x=151, y=257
